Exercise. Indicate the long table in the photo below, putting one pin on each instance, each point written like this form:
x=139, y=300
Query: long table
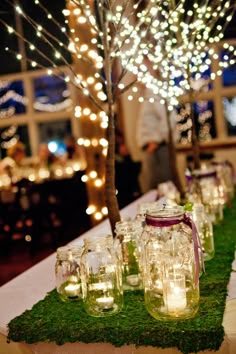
x=31, y=286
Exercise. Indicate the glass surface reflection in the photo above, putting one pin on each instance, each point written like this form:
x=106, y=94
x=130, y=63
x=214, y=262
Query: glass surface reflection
x=51, y=94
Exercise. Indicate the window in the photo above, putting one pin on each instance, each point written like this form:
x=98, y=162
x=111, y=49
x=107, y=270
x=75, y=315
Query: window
x=230, y=114
x=215, y=102
x=12, y=98
x=229, y=74
x=203, y=117
x=54, y=133
x=10, y=134
x=40, y=108
x=51, y=94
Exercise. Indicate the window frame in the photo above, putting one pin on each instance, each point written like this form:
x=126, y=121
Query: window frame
x=31, y=118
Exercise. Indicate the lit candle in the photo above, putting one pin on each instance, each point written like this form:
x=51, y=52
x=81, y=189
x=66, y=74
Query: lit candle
x=104, y=286
x=158, y=287
x=105, y=302
x=175, y=293
x=72, y=290
x=133, y=279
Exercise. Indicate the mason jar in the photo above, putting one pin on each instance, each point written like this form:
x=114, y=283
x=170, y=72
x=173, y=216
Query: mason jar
x=205, y=230
x=225, y=172
x=68, y=273
x=204, y=187
x=102, y=279
x=171, y=264
x=127, y=241
x=143, y=208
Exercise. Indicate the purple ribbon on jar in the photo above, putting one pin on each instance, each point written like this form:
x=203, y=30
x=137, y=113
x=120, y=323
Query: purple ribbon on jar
x=205, y=174
x=160, y=222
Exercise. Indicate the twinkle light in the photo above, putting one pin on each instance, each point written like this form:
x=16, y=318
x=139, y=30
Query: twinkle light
x=98, y=182
x=104, y=125
x=98, y=215
x=86, y=111
x=80, y=141
x=104, y=210
x=173, y=48
x=87, y=142
x=11, y=95
x=103, y=142
x=84, y=178
x=91, y=209
x=10, y=29
x=56, y=107
x=8, y=144
x=92, y=174
x=93, y=116
x=94, y=142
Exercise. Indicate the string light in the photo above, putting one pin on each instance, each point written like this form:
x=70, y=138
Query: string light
x=56, y=107
x=174, y=47
x=12, y=95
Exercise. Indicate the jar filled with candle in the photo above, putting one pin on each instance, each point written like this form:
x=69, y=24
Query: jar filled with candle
x=225, y=172
x=171, y=264
x=68, y=273
x=204, y=187
x=102, y=279
x=205, y=230
x=127, y=241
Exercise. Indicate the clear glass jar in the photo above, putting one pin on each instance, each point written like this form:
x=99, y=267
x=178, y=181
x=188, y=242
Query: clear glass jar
x=205, y=230
x=204, y=187
x=102, y=279
x=68, y=273
x=127, y=241
x=143, y=208
x=171, y=264
x=225, y=172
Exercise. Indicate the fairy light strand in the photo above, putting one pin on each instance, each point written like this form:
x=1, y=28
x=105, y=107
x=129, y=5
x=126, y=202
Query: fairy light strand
x=173, y=46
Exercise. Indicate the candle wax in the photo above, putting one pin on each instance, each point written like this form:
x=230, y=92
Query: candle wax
x=105, y=302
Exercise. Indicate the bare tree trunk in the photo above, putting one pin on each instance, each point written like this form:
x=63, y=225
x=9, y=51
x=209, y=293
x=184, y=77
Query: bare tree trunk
x=194, y=138
x=110, y=189
x=173, y=156
x=195, y=141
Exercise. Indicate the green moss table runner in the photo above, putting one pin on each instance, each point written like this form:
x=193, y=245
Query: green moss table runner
x=51, y=320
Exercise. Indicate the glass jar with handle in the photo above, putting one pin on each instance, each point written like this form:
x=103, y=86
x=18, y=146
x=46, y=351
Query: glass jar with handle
x=204, y=187
x=171, y=264
x=225, y=172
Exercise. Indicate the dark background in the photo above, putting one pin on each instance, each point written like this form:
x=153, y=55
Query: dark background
x=8, y=62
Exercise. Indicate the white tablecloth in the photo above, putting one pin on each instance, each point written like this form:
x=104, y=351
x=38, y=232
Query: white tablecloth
x=28, y=288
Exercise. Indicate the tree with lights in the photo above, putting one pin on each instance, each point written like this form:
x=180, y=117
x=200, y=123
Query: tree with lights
x=119, y=36
x=181, y=50
x=116, y=31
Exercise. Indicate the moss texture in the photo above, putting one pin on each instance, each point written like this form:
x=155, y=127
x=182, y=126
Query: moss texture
x=51, y=320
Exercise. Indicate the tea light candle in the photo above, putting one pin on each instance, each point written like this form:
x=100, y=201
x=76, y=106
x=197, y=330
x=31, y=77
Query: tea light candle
x=105, y=302
x=133, y=280
x=158, y=287
x=175, y=293
x=72, y=289
x=104, y=286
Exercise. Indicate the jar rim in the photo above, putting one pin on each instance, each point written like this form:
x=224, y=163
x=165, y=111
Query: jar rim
x=98, y=240
x=168, y=211
x=63, y=252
